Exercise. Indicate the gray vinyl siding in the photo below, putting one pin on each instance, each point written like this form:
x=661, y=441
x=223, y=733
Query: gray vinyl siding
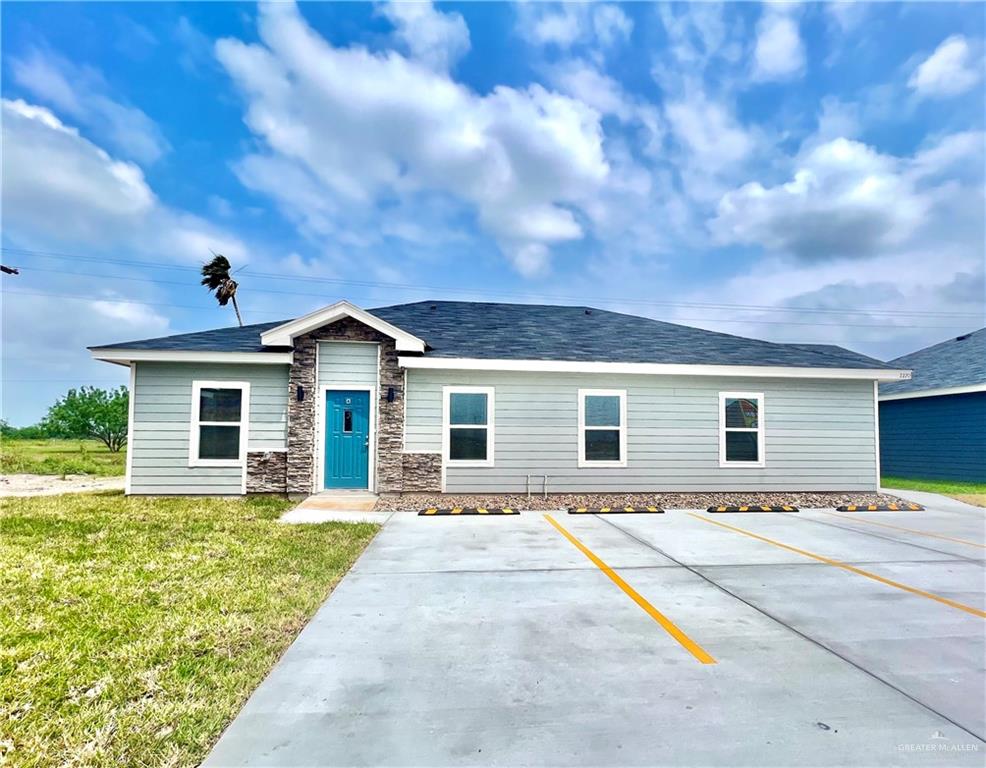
x=345, y=363
x=819, y=433
x=162, y=417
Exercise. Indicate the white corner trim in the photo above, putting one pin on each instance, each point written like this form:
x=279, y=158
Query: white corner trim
x=490, y=393
x=244, y=424
x=371, y=469
x=760, y=430
x=132, y=397
x=283, y=335
x=583, y=462
x=574, y=366
x=127, y=356
x=876, y=432
x=938, y=392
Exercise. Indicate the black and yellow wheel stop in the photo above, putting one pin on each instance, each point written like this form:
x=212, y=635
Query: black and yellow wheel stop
x=755, y=508
x=431, y=511
x=615, y=511
x=880, y=508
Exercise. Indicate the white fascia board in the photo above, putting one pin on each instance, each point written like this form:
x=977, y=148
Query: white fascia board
x=283, y=335
x=968, y=389
x=668, y=369
x=126, y=356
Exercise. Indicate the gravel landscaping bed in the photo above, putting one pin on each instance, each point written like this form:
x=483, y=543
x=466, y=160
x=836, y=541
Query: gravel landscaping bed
x=804, y=499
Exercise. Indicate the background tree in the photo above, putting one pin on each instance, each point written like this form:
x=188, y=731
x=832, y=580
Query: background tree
x=216, y=277
x=91, y=412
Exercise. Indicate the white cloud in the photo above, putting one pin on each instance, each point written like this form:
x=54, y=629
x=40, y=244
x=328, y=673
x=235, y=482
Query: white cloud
x=779, y=53
x=357, y=127
x=845, y=199
x=846, y=15
x=45, y=340
x=436, y=39
x=570, y=24
x=81, y=93
x=611, y=25
x=586, y=83
x=100, y=201
x=949, y=71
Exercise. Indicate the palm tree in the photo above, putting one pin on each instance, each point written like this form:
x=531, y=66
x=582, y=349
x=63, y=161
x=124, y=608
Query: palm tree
x=216, y=277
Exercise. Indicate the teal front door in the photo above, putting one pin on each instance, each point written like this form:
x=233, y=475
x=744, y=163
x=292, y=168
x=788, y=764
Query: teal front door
x=347, y=439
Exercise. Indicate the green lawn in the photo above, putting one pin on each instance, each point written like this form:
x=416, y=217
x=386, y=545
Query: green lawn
x=133, y=630
x=971, y=493
x=60, y=457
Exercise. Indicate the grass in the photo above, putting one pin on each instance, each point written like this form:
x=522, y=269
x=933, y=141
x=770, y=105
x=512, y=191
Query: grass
x=60, y=457
x=133, y=629
x=970, y=493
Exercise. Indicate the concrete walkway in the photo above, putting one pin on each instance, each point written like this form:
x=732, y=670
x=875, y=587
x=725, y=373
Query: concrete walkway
x=337, y=506
x=500, y=641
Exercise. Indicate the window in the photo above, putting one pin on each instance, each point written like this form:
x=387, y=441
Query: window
x=741, y=429
x=602, y=428
x=219, y=423
x=468, y=426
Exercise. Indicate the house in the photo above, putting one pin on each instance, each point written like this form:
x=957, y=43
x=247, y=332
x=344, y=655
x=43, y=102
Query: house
x=934, y=425
x=446, y=396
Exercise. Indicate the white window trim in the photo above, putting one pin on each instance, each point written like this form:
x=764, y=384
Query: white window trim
x=243, y=424
x=620, y=393
x=760, y=430
x=447, y=393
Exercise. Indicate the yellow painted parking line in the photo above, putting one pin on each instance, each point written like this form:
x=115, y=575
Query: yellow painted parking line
x=902, y=528
x=847, y=567
x=456, y=511
x=431, y=511
x=669, y=626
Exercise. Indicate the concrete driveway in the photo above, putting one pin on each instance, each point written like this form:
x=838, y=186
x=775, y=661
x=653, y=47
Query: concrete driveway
x=679, y=639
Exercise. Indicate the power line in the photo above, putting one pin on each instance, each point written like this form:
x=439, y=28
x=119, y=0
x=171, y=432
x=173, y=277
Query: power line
x=93, y=297
x=483, y=292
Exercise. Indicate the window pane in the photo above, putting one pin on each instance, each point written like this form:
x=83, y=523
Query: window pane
x=219, y=442
x=602, y=445
x=602, y=411
x=467, y=444
x=467, y=408
x=220, y=404
x=741, y=446
x=741, y=412
x=347, y=421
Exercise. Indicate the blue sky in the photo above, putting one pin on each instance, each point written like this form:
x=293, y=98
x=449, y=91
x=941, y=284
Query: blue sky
x=806, y=172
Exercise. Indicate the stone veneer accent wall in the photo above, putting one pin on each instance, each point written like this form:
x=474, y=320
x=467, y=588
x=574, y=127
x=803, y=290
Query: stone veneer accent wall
x=267, y=472
x=422, y=472
x=301, y=415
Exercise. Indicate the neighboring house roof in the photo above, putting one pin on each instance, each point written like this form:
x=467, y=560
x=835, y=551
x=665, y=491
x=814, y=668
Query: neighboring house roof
x=957, y=363
x=461, y=329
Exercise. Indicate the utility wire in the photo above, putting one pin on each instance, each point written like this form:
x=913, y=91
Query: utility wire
x=484, y=292
x=93, y=297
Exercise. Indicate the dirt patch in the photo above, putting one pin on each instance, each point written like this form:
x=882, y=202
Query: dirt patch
x=803, y=499
x=976, y=499
x=52, y=485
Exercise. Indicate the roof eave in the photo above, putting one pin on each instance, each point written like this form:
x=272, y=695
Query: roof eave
x=934, y=392
x=128, y=356
x=668, y=369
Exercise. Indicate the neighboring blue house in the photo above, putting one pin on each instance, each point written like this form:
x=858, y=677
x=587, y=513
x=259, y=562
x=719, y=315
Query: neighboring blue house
x=934, y=426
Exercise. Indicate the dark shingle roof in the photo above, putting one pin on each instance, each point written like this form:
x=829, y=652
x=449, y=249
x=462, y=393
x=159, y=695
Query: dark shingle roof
x=235, y=339
x=958, y=362
x=542, y=332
